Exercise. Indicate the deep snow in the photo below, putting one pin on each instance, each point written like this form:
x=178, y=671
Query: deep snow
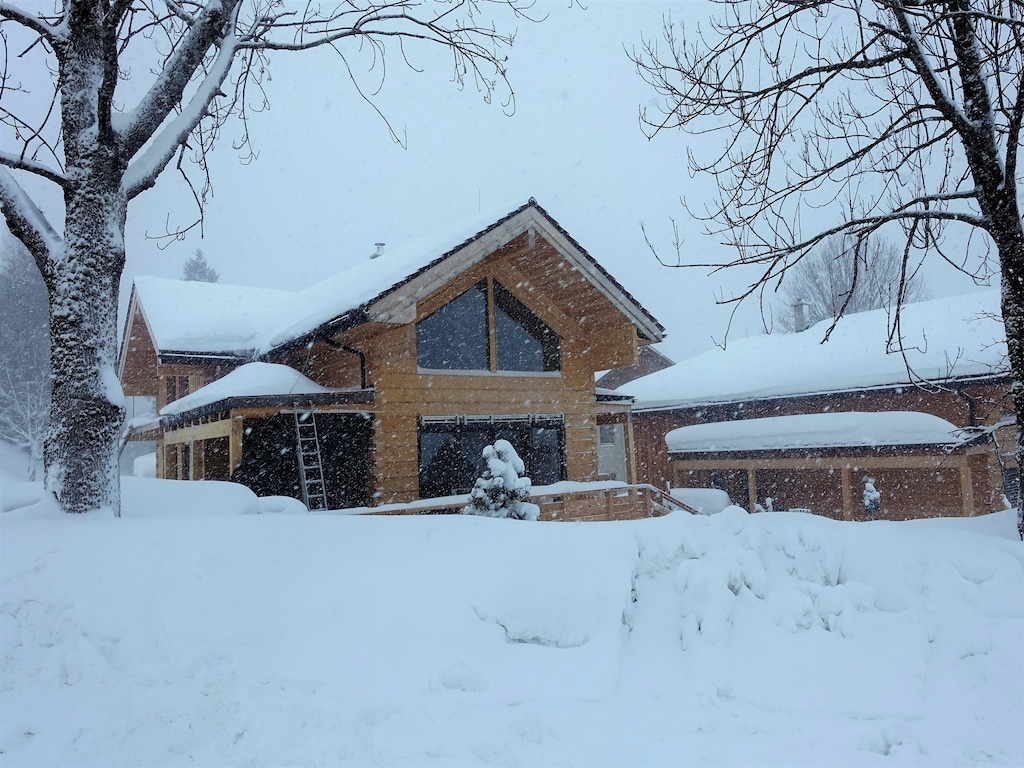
x=176, y=637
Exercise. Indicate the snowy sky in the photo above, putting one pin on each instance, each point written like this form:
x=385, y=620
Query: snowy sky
x=329, y=182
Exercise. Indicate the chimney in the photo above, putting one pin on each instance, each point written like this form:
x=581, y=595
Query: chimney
x=799, y=315
x=379, y=252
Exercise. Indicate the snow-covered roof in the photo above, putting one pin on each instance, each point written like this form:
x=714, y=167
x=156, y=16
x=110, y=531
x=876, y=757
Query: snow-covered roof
x=956, y=337
x=249, y=380
x=855, y=429
x=197, y=317
x=212, y=317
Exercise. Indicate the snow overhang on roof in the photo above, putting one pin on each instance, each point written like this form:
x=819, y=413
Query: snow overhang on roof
x=856, y=429
x=250, y=380
x=386, y=290
x=959, y=338
x=212, y=319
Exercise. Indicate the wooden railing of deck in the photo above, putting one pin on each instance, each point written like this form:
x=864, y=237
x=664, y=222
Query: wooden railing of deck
x=623, y=502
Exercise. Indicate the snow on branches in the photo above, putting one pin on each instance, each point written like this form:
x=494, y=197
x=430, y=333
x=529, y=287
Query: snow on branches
x=502, y=490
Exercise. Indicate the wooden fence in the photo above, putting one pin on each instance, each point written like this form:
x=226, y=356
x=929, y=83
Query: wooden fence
x=624, y=502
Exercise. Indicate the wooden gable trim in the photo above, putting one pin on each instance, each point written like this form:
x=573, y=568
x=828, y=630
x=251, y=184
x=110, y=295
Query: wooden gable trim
x=397, y=304
x=125, y=355
x=122, y=357
x=531, y=219
x=533, y=299
x=649, y=328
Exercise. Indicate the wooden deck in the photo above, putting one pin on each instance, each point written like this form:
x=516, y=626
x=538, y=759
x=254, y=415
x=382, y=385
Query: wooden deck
x=628, y=502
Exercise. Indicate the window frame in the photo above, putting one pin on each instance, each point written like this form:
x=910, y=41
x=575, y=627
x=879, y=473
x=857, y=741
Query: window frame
x=500, y=297
x=491, y=427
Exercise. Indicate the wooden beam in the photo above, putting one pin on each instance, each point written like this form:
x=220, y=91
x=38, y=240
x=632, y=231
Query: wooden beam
x=916, y=461
x=966, y=491
x=847, y=480
x=212, y=429
x=752, y=489
x=235, y=443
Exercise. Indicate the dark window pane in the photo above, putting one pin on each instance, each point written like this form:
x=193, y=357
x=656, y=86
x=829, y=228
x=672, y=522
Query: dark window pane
x=438, y=458
x=451, y=454
x=545, y=464
x=455, y=336
x=473, y=440
x=524, y=341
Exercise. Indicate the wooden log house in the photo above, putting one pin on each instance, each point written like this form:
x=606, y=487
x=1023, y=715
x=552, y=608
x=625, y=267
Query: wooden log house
x=401, y=370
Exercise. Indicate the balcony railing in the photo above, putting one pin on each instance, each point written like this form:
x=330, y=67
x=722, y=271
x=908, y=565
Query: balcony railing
x=623, y=502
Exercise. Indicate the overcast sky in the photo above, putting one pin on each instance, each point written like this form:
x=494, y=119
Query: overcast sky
x=329, y=182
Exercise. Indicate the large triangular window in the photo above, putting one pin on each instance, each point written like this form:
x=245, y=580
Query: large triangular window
x=486, y=329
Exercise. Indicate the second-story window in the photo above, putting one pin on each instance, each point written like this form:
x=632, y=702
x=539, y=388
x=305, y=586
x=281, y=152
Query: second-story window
x=486, y=328
x=177, y=387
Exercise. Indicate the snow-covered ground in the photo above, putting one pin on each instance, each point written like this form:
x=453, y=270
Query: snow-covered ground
x=196, y=632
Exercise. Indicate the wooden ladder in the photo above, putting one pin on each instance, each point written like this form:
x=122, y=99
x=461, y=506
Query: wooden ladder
x=311, y=468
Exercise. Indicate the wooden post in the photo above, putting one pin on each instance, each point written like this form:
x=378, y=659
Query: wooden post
x=847, y=493
x=752, y=489
x=631, y=459
x=966, y=490
x=235, y=443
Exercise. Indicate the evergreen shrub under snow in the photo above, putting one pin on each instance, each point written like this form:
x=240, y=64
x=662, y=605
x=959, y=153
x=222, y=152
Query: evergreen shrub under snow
x=502, y=490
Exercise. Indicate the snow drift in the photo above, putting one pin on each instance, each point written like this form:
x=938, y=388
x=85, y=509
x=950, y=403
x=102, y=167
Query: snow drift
x=173, y=637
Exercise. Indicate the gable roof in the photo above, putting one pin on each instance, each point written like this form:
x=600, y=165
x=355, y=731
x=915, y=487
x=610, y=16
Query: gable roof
x=956, y=338
x=212, y=318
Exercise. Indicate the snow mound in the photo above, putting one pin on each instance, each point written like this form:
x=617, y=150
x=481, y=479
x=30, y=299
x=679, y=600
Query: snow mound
x=707, y=501
x=150, y=498
x=729, y=639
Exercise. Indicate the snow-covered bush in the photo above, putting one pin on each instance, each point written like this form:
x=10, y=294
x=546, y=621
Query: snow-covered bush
x=872, y=498
x=502, y=490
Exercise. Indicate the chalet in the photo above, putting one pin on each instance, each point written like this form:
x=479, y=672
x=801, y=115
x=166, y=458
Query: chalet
x=810, y=424
x=384, y=383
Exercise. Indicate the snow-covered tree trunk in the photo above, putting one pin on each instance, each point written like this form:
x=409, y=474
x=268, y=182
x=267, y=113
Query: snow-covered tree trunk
x=86, y=403
x=1011, y=256
x=86, y=408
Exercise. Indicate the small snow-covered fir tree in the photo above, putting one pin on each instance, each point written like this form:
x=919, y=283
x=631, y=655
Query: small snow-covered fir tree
x=872, y=498
x=502, y=490
x=198, y=268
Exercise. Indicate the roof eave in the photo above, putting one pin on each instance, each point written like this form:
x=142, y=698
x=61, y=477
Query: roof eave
x=304, y=401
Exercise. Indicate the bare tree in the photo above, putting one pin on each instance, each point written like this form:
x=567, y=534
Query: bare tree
x=900, y=116
x=837, y=278
x=24, y=407
x=24, y=352
x=111, y=127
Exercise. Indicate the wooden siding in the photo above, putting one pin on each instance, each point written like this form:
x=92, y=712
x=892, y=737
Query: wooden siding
x=139, y=373
x=914, y=482
x=966, y=405
x=403, y=393
x=326, y=365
